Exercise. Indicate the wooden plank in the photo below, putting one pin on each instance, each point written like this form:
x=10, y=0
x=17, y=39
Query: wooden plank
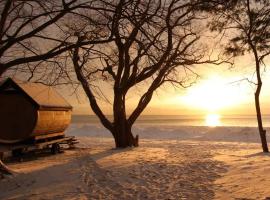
x=52, y=122
x=31, y=147
x=46, y=136
x=17, y=117
x=44, y=144
x=9, y=147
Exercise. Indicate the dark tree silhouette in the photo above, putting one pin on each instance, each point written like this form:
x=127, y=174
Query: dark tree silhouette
x=249, y=21
x=31, y=31
x=154, y=42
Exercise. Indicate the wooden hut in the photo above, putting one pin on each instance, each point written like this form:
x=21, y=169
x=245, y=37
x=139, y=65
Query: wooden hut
x=31, y=111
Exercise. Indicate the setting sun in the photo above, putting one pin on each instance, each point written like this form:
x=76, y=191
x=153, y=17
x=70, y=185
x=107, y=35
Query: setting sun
x=214, y=94
x=134, y=99
x=212, y=120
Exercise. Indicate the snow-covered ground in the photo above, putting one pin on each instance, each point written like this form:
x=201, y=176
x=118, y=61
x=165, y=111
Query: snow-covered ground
x=172, y=162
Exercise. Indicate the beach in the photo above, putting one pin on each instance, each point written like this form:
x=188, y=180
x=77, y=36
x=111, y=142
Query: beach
x=173, y=162
x=134, y=100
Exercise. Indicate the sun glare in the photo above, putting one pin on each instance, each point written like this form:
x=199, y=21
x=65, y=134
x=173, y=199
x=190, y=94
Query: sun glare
x=214, y=94
x=212, y=120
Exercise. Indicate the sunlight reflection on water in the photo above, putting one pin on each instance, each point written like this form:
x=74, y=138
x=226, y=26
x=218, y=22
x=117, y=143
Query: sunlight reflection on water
x=213, y=120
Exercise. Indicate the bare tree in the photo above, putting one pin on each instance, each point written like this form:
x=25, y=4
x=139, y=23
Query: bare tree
x=154, y=42
x=32, y=31
x=249, y=23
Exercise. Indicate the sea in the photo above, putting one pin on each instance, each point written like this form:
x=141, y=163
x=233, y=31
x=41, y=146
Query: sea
x=178, y=127
x=184, y=120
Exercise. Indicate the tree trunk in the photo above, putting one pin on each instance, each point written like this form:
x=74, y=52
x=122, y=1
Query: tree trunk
x=122, y=129
x=262, y=132
x=124, y=138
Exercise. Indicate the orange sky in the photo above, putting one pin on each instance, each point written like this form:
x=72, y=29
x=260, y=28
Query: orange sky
x=218, y=91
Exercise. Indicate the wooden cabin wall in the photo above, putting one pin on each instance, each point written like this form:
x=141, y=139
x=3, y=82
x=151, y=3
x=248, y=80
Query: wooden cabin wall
x=50, y=121
x=17, y=117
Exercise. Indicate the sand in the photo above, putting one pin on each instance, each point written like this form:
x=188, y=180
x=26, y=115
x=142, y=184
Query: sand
x=174, y=168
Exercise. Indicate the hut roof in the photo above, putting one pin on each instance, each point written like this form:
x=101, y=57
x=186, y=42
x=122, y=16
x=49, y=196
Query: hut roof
x=44, y=96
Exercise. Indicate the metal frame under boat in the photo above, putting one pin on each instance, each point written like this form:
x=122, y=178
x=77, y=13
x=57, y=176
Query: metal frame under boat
x=39, y=143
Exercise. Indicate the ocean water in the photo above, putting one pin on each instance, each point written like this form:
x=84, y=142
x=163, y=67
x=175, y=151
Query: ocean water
x=182, y=120
x=229, y=128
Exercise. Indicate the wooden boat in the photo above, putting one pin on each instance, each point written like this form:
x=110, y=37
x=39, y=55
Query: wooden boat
x=31, y=110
